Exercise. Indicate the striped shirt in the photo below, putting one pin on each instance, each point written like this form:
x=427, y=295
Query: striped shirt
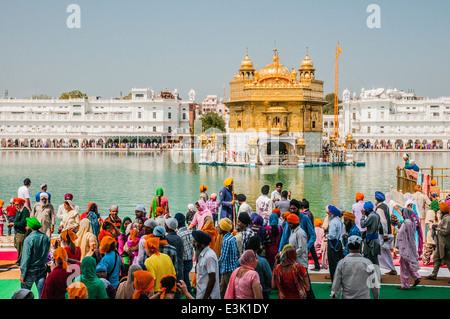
x=188, y=242
x=229, y=258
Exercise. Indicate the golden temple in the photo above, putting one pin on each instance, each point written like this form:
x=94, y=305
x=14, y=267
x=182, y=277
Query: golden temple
x=279, y=101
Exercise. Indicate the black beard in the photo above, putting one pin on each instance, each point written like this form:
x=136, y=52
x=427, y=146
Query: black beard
x=348, y=227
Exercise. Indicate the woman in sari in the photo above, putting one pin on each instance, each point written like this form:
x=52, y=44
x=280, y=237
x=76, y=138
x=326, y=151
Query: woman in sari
x=159, y=201
x=409, y=264
x=244, y=281
x=71, y=220
x=200, y=215
x=290, y=278
x=86, y=240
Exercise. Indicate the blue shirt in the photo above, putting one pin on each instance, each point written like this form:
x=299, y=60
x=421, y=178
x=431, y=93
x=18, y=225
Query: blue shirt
x=34, y=252
x=38, y=196
x=229, y=256
x=225, y=197
x=112, y=262
x=306, y=225
x=354, y=231
x=414, y=167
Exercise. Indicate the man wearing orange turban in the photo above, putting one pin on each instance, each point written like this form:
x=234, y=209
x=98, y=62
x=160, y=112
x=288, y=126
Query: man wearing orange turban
x=350, y=230
x=442, y=253
x=358, y=210
x=299, y=239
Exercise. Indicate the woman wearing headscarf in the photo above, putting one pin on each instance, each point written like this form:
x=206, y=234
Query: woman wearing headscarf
x=110, y=259
x=55, y=285
x=126, y=289
x=273, y=238
x=289, y=277
x=86, y=240
x=208, y=227
x=143, y=284
x=432, y=218
x=71, y=220
x=409, y=205
x=68, y=239
x=258, y=228
x=199, y=217
x=407, y=250
x=77, y=290
x=159, y=201
x=244, y=281
x=95, y=286
x=94, y=218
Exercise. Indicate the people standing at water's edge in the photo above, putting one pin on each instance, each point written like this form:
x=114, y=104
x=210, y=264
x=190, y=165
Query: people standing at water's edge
x=24, y=193
x=159, y=200
x=264, y=204
x=358, y=210
x=386, y=239
x=371, y=221
x=227, y=201
x=45, y=213
x=43, y=190
x=19, y=224
x=334, y=236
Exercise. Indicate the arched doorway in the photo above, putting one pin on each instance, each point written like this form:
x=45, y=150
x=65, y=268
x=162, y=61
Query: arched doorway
x=277, y=148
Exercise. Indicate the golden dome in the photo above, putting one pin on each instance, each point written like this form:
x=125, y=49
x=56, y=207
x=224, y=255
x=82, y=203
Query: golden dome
x=307, y=63
x=274, y=69
x=246, y=64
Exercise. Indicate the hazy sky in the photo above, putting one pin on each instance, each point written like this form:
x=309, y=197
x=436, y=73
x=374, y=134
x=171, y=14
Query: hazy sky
x=188, y=44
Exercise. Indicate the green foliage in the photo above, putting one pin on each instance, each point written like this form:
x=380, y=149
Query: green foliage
x=127, y=97
x=41, y=97
x=328, y=109
x=73, y=95
x=212, y=120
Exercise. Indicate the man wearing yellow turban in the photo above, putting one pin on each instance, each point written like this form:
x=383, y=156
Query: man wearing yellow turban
x=226, y=199
x=229, y=256
x=351, y=229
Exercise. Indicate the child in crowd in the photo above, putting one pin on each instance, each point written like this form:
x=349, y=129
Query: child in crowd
x=319, y=236
x=102, y=273
x=133, y=242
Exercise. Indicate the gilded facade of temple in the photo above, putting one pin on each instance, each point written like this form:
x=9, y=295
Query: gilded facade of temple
x=287, y=104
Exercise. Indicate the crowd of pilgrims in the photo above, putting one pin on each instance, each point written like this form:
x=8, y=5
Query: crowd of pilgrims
x=222, y=249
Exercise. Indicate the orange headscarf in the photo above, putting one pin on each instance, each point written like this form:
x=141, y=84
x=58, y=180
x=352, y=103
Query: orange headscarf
x=143, y=282
x=133, y=235
x=212, y=231
x=164, y=290
x=418, y=188
x=77, y=290
x=69, y=236
x=159, y=211
x=60, y=254
x=152, y=244
x=106, y=242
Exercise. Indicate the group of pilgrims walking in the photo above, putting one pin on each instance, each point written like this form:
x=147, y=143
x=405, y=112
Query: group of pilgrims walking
x=221, y=248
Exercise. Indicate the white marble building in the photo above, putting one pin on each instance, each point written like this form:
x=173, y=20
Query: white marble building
x=395, y=117
x=146, y=117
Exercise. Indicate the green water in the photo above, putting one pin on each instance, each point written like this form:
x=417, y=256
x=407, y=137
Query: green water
x=130, y=180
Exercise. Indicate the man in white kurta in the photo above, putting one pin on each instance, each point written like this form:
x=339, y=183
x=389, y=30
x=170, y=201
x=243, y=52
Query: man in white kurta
x=45, y=213
x=264, y=204
x=355, y=275
x=299, y=239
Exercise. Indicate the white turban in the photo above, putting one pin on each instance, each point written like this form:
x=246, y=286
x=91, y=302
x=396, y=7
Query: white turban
x=42, y=195
x=354, y=240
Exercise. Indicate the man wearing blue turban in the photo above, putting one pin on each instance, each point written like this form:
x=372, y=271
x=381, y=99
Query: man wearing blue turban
x=335, y=250
x=385, y=259
x=371, y=221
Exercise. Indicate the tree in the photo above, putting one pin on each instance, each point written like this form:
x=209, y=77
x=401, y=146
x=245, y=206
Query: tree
x=328, y=109
x=40, y=97
x=73, y=95
x=127, y=97
x=212, y=120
